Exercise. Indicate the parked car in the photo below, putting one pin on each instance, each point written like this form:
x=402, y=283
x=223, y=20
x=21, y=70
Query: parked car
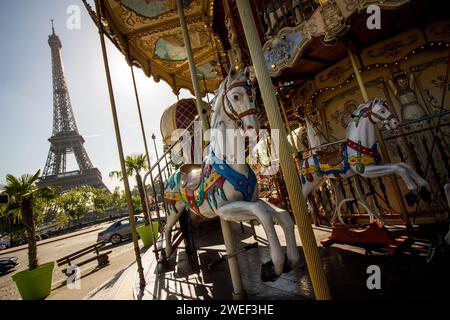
x=44, y=236
x=5, y=244
x=7, y=264
x=120, y=230
x=25, y=240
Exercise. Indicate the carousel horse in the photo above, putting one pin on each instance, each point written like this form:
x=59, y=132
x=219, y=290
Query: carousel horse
x=230, y=190
x=359, y=156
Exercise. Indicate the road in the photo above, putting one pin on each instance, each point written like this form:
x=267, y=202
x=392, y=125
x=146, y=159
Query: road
x=121, y=258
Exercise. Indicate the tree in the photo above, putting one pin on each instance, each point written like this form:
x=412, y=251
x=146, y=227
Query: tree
x=118, y=199
x=26, y=203
x=74, y=204
x=135, y=164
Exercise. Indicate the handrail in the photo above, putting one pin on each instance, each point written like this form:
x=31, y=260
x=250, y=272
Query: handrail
x=155, y=165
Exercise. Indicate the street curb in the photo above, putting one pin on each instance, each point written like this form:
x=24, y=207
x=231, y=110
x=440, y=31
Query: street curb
x=70, y=235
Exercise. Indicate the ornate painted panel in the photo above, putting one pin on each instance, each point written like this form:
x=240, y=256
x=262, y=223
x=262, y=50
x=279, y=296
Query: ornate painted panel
x=393, y=49
x=334, y=75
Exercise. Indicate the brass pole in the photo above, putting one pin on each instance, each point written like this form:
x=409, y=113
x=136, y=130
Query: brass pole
x=294, y=188
x=149, y=162
x=193, y=69
x=380, y=140
x=120, y=148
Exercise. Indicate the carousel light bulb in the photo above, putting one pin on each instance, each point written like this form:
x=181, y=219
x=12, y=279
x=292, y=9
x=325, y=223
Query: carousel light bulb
x=274, y=66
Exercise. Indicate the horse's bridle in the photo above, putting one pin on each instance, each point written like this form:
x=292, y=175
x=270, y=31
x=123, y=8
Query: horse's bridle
x=232, y=114
x=371, y=115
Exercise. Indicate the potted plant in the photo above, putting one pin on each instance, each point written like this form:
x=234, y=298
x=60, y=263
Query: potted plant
x=26, y=198
x=134, y=165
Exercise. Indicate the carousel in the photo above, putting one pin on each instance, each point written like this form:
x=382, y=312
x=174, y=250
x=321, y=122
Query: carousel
x=354, y=170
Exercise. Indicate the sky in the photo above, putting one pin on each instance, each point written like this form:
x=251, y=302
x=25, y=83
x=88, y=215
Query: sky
x=26, y=97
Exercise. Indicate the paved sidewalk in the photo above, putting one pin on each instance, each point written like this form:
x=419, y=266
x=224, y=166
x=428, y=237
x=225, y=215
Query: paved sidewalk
x=53, y=239
x=117, y=288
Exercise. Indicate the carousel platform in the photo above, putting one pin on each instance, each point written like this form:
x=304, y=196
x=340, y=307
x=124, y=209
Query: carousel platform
x=403, y=276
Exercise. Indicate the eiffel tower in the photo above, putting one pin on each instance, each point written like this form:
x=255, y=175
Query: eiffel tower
x=65, y=136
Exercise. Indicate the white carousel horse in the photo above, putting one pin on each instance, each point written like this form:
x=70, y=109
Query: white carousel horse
x=229, y=190
x=359, y=156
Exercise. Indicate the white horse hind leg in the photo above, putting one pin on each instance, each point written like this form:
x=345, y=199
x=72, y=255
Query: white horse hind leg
x=425, y=189
x=375, y=171
x=243, y=211
x=284, y=219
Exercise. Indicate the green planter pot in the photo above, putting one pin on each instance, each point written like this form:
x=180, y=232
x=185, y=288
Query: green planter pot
x=145, y=232
x=35, y=284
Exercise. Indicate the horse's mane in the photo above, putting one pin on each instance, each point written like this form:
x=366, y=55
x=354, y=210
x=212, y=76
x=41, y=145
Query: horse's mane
x=366, y=105
x=361, y=107
x=217, y=99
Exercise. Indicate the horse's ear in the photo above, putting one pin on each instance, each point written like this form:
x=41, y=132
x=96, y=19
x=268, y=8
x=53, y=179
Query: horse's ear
x=250, y=73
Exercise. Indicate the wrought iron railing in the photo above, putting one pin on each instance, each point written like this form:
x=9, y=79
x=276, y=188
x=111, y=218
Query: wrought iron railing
x=159, y=174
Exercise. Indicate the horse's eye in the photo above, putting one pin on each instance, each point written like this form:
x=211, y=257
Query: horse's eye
x=236, y=97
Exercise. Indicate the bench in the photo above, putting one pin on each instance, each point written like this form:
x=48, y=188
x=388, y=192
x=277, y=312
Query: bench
x=102, y=258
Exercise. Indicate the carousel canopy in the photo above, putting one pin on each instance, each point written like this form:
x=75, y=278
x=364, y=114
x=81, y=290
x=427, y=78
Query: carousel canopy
x=304, y=40
x=148, y=33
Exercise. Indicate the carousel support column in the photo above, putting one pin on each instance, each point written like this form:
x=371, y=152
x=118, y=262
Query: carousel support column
x=380, y=140
x=120, y=148
x=233, y=263
x=193, y=69
x=297, y=199
x=149, y=162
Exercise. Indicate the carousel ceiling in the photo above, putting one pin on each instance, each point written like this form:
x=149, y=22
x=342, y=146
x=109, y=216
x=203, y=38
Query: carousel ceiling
x=148, y=33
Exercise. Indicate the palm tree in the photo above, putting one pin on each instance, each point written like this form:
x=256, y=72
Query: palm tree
x=135, y=164
x=24, y=198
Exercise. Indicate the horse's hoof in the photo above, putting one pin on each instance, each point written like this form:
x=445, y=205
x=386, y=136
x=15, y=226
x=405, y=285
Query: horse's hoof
x=287, y=265
x=268, y=272
x=424, y=194
x=411, y=198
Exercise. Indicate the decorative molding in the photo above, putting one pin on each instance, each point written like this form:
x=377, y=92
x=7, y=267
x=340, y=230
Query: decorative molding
x=283, y=50
x=378, y=83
